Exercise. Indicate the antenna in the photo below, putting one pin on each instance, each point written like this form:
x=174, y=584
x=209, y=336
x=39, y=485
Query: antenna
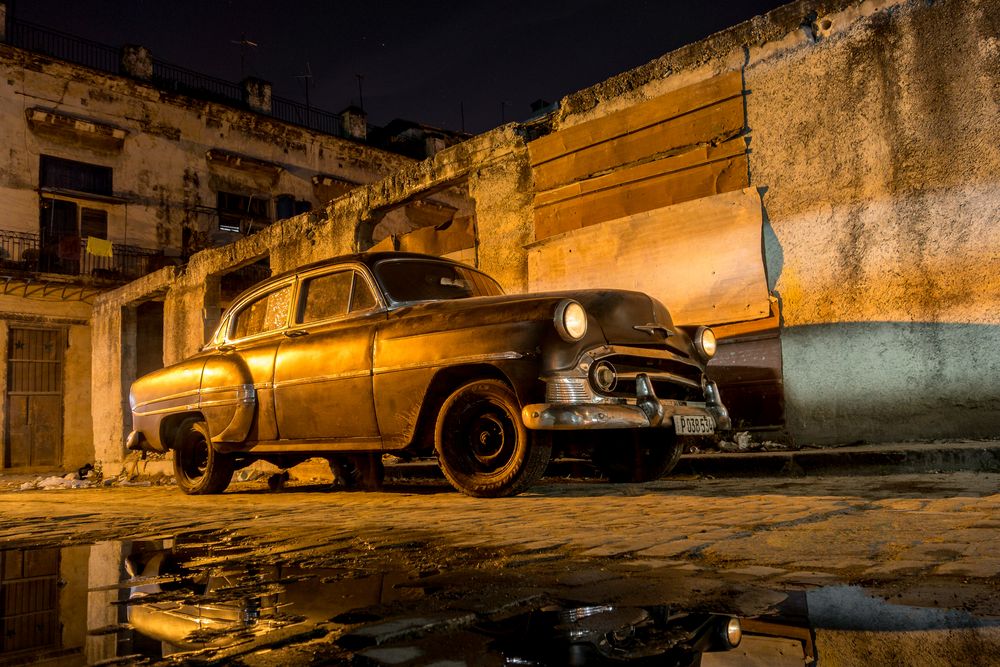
x=307, y=79
x=361, y=95
x=244, y=44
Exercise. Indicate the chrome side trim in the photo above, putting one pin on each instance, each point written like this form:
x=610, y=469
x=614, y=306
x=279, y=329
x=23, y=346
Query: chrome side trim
x=322, y=378
x=170, y=397
x=453, y=361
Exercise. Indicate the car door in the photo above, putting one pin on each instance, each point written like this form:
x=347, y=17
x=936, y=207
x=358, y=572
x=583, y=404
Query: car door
x=323, y=370
x=246, y=356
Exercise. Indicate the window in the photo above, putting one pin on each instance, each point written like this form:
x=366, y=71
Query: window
x=93, y=222
x=335, y=295
x=241, y=213
x=266, y=313
x=76, y=176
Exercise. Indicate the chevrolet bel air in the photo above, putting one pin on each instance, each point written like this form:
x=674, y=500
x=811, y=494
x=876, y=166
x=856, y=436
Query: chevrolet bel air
x=414, y=355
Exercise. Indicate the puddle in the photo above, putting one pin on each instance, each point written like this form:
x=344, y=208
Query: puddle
x=207, y=597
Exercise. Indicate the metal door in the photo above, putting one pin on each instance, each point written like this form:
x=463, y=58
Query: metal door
x=34, y=397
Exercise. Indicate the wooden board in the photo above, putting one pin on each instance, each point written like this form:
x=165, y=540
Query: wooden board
x=634, y=197
x=636, y=117
x=716, y=122
x=458, y=235
x=692, y=158
x=702, y=258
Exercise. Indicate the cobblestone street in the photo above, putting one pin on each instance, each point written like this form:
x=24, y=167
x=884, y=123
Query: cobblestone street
x=926, y=540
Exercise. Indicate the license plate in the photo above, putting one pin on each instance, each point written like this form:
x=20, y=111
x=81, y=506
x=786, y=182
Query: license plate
x=693, y=425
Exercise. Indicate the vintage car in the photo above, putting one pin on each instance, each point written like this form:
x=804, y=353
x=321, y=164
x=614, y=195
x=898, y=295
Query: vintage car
x=415, y=355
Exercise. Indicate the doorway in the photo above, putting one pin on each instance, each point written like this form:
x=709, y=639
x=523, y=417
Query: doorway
x=34, y=397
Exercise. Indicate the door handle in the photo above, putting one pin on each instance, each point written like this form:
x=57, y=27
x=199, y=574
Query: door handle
x=294, y=333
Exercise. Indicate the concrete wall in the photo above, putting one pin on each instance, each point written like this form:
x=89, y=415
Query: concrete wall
x=870, y=134
x=875, y=141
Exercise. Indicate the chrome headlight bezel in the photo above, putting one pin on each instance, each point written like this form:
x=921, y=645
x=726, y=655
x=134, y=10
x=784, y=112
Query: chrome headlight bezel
x=570, y=320
x=706, y=342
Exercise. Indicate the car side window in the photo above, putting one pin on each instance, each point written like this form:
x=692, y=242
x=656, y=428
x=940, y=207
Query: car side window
x=266, y=313
x=326, y=296
x=334, y=295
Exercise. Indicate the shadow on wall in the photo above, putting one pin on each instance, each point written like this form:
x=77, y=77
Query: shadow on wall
x=885, y=381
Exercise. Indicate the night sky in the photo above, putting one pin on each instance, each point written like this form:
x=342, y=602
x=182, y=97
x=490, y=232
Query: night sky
x=420, y=61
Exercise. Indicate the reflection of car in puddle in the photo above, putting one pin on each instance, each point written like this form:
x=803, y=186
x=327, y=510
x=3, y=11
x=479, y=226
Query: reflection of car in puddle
x=215, y=607
x=180, y=598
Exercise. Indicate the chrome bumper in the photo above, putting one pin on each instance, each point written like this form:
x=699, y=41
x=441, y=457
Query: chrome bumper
x=647, y=412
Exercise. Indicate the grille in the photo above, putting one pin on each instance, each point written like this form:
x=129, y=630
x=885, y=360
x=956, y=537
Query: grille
x=567, y=390
x=672, y=379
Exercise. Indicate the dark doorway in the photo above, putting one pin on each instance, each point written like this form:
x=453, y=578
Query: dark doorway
x=59, y=242
x=149, y=337
x=34, y=397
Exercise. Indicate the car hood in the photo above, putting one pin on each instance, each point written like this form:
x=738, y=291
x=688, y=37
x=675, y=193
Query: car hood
x=612, y=315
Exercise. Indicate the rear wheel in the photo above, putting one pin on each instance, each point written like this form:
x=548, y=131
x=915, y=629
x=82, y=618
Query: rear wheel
x=483, y=446
x=640, y=456
x=198, y=468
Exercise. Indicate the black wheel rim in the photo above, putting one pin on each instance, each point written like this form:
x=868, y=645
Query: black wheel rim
x=194, y=457
x=487, y=437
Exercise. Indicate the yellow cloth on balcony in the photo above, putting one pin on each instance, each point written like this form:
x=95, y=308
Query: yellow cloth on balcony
x=98, y=247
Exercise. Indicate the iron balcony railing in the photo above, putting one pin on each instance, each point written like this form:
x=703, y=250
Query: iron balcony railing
x=24, y=252
x=168, y=77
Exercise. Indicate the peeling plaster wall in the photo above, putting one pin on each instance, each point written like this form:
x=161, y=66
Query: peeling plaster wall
x=160, y=167
x=871, y=140
x=877, y=147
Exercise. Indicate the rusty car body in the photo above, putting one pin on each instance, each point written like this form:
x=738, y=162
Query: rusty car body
x=413, y=355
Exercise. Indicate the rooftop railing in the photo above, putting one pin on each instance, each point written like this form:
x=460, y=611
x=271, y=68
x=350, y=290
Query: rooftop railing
x=166, y=76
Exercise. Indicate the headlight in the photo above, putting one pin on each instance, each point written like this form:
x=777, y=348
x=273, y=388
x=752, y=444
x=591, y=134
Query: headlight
x=704, y=340
x=571, y=320
x=605, y=376
x=733, y=633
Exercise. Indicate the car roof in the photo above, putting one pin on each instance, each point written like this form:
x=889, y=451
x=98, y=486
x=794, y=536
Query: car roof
x=369, y=259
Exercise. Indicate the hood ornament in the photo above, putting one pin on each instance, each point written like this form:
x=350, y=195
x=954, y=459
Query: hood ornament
x=653, y=327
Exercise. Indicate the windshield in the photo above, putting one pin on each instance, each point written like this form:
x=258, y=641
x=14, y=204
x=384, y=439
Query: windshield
x=410, y=280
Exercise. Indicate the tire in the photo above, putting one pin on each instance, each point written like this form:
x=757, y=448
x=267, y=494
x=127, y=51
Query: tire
x=198, y=468
x=647, y=455
x=483, y=447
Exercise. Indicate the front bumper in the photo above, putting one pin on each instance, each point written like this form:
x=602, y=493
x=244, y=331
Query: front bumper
x=648, y=411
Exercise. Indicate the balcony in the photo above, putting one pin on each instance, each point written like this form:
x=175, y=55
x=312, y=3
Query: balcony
x=24, y=253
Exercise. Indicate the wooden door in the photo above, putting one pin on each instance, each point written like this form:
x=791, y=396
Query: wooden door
x=34, y=397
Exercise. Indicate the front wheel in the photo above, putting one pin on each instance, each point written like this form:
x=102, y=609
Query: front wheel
x=198, y=468
x=483, y=446
x=645, y=455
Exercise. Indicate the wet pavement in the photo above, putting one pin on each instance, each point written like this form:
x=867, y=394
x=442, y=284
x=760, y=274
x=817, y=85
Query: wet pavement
x=833, y=570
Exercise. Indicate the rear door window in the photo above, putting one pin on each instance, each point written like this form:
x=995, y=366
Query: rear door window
x=268, y=312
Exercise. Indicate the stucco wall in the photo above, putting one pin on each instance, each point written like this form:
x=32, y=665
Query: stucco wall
x=875, y=148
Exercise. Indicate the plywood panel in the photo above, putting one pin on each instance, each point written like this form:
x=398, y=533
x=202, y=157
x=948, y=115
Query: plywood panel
x=692, y=158
x=642, y=195
x=702, y=258
x=637, y=117
x=719, y=121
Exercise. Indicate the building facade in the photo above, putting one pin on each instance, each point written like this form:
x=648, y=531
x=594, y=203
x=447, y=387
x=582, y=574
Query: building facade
x=117, y=165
